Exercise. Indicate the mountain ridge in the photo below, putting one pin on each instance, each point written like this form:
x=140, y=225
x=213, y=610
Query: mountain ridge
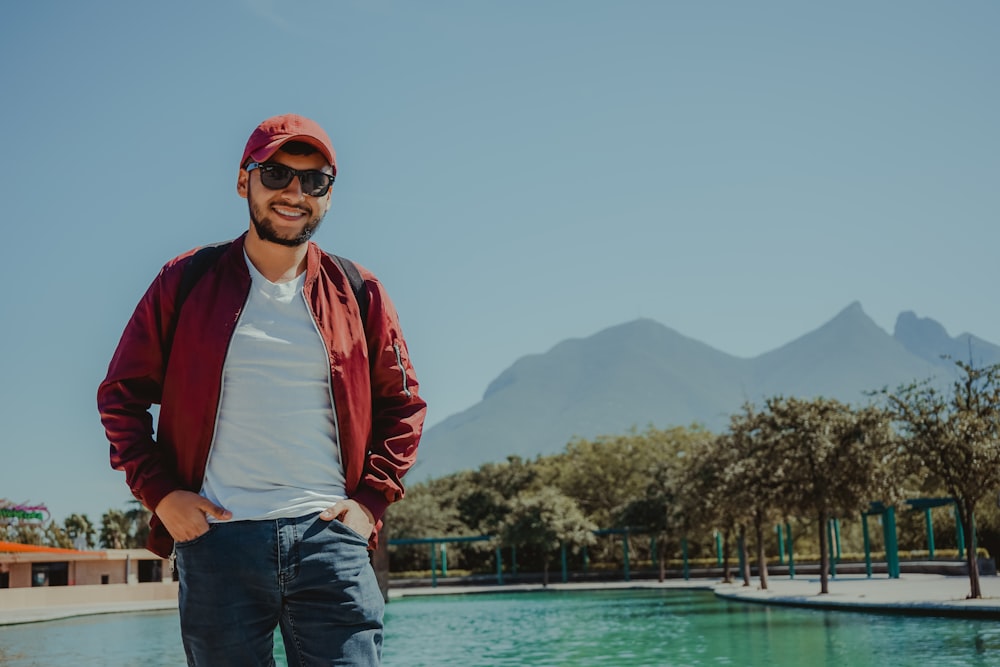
x=642, y=373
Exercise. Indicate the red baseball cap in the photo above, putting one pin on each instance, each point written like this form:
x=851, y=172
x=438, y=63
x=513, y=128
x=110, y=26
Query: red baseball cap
x=273, y=132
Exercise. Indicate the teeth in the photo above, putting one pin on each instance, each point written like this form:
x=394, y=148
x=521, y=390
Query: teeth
x=290, y=212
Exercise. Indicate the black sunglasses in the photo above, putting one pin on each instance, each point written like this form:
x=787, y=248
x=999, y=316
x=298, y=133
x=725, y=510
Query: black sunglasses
x=274, y=176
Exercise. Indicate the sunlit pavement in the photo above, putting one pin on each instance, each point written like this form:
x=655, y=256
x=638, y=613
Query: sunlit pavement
x=932, y=594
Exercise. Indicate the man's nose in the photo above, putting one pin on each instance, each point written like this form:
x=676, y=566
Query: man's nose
x=294, y=187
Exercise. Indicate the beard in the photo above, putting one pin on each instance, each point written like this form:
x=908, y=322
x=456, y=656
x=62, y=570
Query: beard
x=267, y=232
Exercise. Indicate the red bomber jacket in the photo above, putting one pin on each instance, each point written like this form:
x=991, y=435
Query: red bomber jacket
x=379, y=413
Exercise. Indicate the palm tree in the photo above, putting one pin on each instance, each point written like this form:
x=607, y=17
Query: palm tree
x=115, y=527
x=80, y=530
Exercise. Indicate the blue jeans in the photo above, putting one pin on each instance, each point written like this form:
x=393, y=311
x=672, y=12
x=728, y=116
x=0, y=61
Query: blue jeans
x=313, y=578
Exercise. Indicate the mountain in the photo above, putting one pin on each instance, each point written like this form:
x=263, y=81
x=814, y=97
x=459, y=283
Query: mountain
x=928, y=340
x=643, y=373
x=843, y=359
x=632, y=374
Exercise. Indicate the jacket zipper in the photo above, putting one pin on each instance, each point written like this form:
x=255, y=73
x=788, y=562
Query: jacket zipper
x=402, y=370
x=222, y=383
x=329, y=386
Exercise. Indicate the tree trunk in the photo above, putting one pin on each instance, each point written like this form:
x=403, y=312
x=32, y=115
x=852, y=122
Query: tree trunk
x=661, y=548
x=761, y=559
x=824, y=557
x=545, y=572
x=744, y=556
x=968, y=518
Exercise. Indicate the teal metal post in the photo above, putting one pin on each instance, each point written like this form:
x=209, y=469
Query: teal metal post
x=513, y=559
x=565, y=567
x=718, y=548
x=684, y=554
x=959, y=534
x=868, y=545
x=499, y=566
x=434, y=565
x=444, y=559
x=781, y=544
x=791, y=551
x=891, y=543
x=628, y=577
x=930, y=531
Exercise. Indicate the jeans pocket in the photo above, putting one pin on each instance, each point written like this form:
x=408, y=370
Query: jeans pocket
x=347, y=531
x=195, y=540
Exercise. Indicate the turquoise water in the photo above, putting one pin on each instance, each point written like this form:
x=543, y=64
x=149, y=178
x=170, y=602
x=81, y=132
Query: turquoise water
x=619, y=628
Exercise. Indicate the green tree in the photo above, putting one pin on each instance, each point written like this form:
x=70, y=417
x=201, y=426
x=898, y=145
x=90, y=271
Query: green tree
x=607, y=473
x=753, y=478
x=660, y=509
x=26, y=532
x=421, y=512
x=114, y=533
x=704, y=498
x=56, y=536
x=956, y=437
x=545, y=518
x=138, y=518
x=831, y=460
x=483, y=497
x=427, y=510
x=79, y=526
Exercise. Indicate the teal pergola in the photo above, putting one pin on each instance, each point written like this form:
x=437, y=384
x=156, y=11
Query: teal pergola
x=889, y=530
x=439, y=545
x=785, y=543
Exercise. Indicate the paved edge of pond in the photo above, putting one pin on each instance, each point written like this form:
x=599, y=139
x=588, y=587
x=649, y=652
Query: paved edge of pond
x=60, y=612
x=911, y=594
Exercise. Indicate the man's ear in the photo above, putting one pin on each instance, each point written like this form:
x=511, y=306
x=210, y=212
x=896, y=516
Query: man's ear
x=241, y=183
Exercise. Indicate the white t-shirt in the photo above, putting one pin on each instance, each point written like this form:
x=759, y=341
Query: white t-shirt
x=275, y=453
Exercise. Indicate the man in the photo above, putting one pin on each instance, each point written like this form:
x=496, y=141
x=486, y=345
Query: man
x=285, y=425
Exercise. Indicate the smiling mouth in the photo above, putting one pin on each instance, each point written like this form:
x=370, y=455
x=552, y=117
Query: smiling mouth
x=287, y=212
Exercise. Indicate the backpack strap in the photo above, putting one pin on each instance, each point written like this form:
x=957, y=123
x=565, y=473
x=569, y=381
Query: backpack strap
x=357, y=283
x=199, y=264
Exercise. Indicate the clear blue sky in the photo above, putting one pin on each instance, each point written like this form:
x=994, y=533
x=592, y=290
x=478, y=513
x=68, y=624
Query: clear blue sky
x=516, y=173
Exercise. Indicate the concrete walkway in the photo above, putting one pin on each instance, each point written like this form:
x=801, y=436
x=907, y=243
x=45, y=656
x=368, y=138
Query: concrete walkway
x=37, y=614
x=924, y=594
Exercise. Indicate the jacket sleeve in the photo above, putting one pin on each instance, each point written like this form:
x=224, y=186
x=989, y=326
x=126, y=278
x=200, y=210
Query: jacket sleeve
x=397, y=409
x=134, y=382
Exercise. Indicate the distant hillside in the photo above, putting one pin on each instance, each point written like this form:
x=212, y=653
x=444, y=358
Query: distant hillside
x=643, y=373
x=842, y=359
x=928, y=340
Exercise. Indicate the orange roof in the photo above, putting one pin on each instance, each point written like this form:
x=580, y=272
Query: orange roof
x=17, y=547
